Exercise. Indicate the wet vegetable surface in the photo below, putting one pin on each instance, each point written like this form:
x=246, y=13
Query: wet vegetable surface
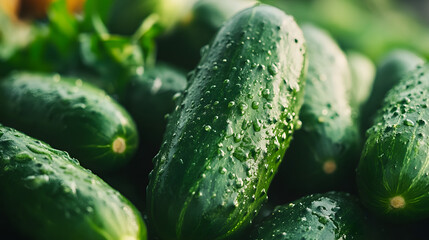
x=332, y=215
x=48, y=195
x=70, y=114
x=230, y=129
x=322, y=155
x=393, y=173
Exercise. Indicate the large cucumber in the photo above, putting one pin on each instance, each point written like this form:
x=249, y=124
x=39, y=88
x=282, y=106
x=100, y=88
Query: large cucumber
x=322, y=154
x=328, y=216
x=391, y=69
x=393, y=172
x=71, y=115
x=230, y=129
x=48, y=195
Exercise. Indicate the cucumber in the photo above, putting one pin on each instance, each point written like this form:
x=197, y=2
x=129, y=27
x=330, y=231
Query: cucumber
x=332, y=215
x=393, y=172
x=70, y=114
x=322, y=154
x=149, y=97
x=230, y=129
x=48, y=195
x=393, y=66
x=362, y=70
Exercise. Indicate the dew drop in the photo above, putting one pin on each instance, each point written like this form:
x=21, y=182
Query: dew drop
x=237, y=137
x=266, y=92
x=231, y=104
x=255, y=105
x=243, y=106
x=34, y=182
x=221, y=153
x=257, y=125
x=272, y=69
x=408, y=122
x=406, y=100
x=245, y=125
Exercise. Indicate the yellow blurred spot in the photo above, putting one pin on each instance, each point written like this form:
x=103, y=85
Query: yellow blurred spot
x=397, y=202
x=119, y=145
x=329, y=166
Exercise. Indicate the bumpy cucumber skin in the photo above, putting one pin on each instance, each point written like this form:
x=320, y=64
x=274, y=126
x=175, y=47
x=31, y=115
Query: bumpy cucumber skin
x=324, y=152
x=394, y=160
x=150, y=97
x=329, y=216
x=230, y=129
x=69, y=114
x=48, y=195
x=391, y=69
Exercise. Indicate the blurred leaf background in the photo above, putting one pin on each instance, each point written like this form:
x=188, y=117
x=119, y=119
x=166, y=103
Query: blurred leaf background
x=49, y=35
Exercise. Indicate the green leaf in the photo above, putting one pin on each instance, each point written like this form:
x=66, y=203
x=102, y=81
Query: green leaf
x=115, y=58
x=95, y=15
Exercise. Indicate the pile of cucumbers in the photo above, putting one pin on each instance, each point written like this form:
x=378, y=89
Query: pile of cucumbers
x=206, y=119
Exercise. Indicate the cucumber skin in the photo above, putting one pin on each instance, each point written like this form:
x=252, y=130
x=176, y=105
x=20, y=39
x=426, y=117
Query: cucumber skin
x=332, y=215
x=149, y=98
x=392, y=67
x=329, y=130
x=394, y=160
x=69, y=114
x=200, y=188
x=48, y=195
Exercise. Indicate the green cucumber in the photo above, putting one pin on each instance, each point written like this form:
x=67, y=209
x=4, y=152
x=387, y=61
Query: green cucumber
x=230, y=129
x=393, y=66
x=321, y=155
x=332, y=215
x=149, y=97
x=362, y=70
x=48, y=195
x=393, y=172
x=71, y=115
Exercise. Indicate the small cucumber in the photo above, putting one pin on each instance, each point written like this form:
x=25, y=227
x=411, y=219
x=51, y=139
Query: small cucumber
x=393, y=66
x=321, y=155
x=328, y=216
x=48, y=195
x=70, y=114
x=362, y=70
x=149, y=97
x=393, y=172
x=230, y=129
